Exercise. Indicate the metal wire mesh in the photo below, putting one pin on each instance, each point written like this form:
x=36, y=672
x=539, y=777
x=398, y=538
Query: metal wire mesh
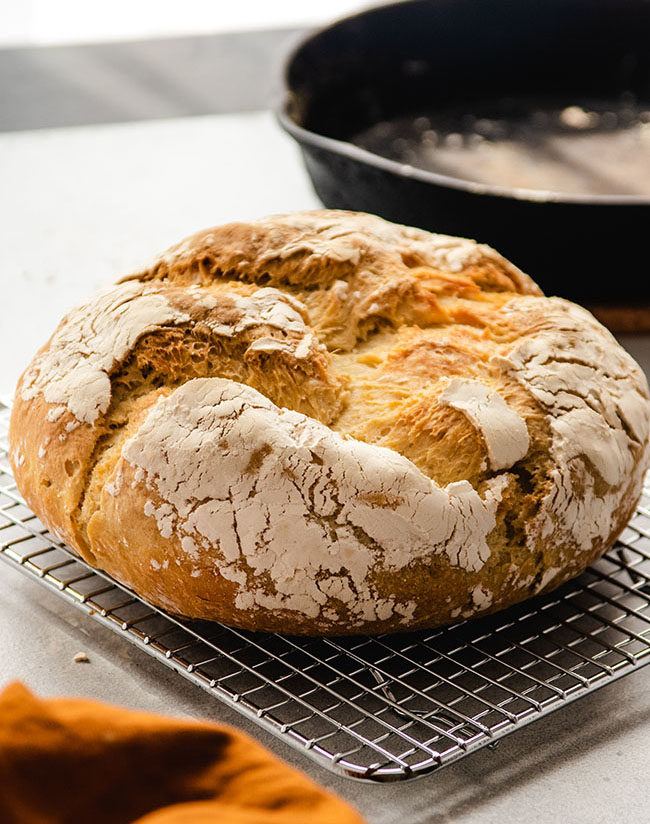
x=381, y=708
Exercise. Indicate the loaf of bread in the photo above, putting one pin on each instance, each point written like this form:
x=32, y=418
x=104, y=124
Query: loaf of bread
x=324, y=423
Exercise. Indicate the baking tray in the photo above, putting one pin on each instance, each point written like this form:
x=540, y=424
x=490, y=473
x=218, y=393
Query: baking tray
x=384, y=708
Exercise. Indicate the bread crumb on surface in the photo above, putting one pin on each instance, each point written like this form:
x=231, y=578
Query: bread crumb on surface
x=81, y=658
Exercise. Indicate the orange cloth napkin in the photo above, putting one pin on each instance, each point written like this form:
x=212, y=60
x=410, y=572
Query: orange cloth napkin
x=71, y=760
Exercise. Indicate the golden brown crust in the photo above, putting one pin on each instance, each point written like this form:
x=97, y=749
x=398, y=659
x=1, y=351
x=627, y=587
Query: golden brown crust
x=456, y=442
x=353, y=272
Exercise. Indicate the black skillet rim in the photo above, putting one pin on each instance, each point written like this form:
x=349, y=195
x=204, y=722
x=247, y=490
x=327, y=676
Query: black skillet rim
x=344, y=148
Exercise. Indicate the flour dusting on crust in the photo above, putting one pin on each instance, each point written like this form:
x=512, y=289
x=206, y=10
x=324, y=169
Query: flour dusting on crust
x=74, y=370
x=322, y=238
x=596, y=398
x=265, y=307
x=317, y=515
x=326, y=237
x=504, y=430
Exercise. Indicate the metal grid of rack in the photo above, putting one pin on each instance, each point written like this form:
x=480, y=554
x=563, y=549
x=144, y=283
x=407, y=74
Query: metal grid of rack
x=382, y=708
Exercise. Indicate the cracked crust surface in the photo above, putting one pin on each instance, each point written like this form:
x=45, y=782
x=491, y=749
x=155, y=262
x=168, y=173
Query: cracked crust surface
x=325, y=423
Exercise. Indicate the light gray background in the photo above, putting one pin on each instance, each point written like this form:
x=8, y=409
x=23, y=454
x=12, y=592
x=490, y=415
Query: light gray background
x=79, y=207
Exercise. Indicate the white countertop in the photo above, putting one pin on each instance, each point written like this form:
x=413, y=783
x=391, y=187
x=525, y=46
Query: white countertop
x=78, y=207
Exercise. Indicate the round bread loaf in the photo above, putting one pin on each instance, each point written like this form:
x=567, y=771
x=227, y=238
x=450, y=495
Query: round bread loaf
x=325, y=423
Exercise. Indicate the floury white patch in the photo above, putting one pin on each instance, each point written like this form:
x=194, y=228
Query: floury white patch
x=316, y=534
x=503, y=430
x=596, y=398
x=270, y=308
x=73, y=372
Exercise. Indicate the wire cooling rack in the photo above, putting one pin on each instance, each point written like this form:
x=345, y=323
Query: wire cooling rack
x=382, y=708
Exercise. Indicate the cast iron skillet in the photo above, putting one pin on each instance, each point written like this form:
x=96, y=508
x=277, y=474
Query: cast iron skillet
x=383, y=63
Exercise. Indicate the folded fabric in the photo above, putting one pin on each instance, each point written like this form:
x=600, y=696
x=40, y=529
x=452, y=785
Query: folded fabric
x=68, y=760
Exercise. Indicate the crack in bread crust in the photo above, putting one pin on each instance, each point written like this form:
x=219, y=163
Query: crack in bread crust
x=354, y=272
x=390, y=347
x=232, y=338
x=196, y=445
